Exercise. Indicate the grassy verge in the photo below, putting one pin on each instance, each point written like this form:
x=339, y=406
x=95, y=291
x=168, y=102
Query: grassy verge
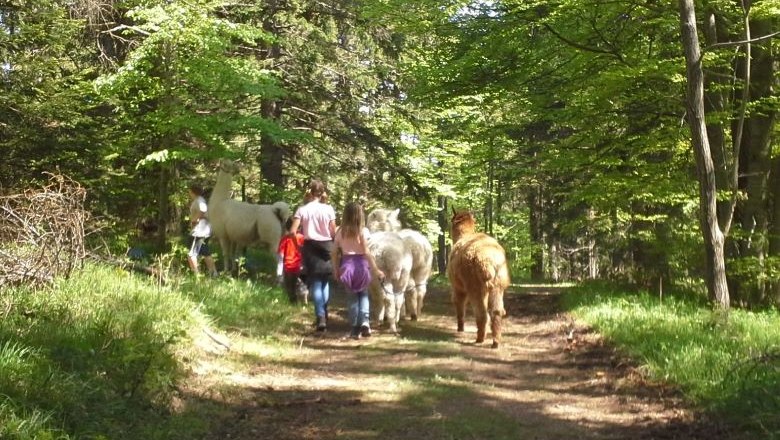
x=727, y=364
x=102, y=355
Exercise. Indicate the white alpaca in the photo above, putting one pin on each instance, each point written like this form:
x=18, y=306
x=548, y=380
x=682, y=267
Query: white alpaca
x=237, y=224
x=422, y=260
x=392, y=258
x=420, y=249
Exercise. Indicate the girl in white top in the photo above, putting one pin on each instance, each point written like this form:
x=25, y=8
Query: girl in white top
x=351, y=262
x=318, y=222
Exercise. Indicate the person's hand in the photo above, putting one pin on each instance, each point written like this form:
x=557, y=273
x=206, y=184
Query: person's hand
x=380, y=275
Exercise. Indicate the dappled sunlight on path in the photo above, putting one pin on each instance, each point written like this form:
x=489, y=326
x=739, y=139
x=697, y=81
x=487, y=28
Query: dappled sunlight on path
x=550, y=380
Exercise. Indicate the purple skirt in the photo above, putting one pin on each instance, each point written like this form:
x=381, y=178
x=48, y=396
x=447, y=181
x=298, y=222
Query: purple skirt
x=355, y=273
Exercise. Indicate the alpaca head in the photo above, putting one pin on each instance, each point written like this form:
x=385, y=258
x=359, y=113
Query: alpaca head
x=383, y=220
x=462, y=223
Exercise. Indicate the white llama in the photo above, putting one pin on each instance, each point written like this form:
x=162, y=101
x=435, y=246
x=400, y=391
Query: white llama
x=387, y=295
x=420, y=249
x=237, y=225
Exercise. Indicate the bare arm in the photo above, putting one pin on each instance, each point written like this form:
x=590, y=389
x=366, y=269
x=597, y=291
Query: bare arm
x=335, y=257
x=332, y=228
x=294, y=227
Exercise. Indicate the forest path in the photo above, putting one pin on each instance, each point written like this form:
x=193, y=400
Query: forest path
x=551, y=379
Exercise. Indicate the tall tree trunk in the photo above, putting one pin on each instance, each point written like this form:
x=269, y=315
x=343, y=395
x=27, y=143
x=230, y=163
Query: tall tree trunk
x=755, y=160
x=713, y=236
x=535, y=209
x=555, y=261
x=163, y=206
x=441, y=254
x=593, y=262
x=774, y=229
x=489, y=204
x=716, y=81
x=271, y=153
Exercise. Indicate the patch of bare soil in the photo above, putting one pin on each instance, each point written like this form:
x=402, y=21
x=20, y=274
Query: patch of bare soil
x=551, y=379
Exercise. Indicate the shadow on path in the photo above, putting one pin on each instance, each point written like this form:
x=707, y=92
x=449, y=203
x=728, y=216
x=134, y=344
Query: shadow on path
x=552, y=379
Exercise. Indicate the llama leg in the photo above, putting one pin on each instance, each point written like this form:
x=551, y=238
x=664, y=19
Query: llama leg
x=480, y=309
x=399, y=305
x=497, y=311
x=391, y=312
x=411, y=302
x=495, y=327
x=421, y=291
x=225, y=245
x=459, y=298
x=377, y=306
x=394, y=303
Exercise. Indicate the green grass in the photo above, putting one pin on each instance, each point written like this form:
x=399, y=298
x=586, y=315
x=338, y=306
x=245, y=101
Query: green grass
x=100, y=355
x=728, y=364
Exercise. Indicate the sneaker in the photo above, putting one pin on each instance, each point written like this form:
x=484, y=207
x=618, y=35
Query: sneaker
x=365, y=331
x=321, y=324
x=355, y=334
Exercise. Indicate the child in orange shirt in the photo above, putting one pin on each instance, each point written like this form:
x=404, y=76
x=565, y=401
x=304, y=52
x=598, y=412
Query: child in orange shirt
x=289, y=266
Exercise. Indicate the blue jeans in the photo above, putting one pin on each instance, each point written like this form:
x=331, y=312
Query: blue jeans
x=319, y=289
x=358, y=309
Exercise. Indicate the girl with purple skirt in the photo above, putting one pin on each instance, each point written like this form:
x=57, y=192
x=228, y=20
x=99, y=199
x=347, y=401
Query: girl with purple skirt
x=353, y=265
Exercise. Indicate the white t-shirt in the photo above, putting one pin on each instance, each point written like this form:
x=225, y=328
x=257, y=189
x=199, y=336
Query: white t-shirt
x=202, y=228
x=315, y=220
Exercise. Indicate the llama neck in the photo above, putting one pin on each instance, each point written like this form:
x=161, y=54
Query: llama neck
x=457, y=234
x=222, y=187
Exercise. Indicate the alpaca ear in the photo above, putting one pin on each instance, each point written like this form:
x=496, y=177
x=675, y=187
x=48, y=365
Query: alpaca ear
x=453, y=211
x=395, y=213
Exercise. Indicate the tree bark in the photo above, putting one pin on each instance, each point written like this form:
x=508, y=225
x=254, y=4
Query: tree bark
x=537, y=235
x=774, y=229
x=163, y=206
x=441, y=255
x=593, y=261
x=271, y=153
x=715, y=276
x=755, y=163
x=715, y=103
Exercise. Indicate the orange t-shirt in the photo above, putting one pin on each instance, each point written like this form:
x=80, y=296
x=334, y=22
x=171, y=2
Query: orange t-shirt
x=289, y=249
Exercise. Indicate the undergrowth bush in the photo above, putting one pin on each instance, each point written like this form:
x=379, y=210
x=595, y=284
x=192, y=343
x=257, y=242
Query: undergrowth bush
x=727, y=363
x=98, y=356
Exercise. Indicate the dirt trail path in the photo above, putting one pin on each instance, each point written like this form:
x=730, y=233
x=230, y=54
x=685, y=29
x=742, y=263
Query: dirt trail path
x=550, y=380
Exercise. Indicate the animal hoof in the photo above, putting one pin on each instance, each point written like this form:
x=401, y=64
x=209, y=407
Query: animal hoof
x=414, y=317
x=479, y=340
x=460, y=328
x=495, y=344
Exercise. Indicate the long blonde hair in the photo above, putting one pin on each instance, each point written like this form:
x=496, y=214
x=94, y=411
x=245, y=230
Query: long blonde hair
x=353, y=221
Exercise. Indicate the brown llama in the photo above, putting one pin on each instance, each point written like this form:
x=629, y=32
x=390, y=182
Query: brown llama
x=478, y=274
